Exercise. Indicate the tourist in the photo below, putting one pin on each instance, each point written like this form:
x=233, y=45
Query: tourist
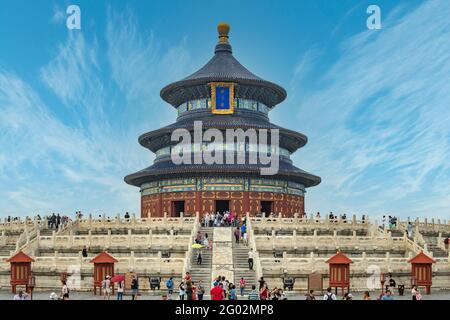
x=367, y=296
x=200, y=290
x=134, y=287
x=212, y=218
x=242, y=284
x=317, y=216
x=275, y=294
x=187, y=277
x=329, y=295
x=84, y=252
x=392, y=282
x=217, y=292
x=387, y=296
x=415, y=293
x=262, y=282
x=120, y=289
x=232, y=293
x=264, y=293
x=347, y=296
x=446, y=242
x=250, y=259
x=21, y=296
x=281, y=295
x=243, y=229
x=237, y=234
x=206, y=220
x=169, y=285
x=64, y=291
x=410, y=230
x=198, y=238
x=181, y=290
x=206, y=242
x=245, y=236
x=199, y=256
x=189, y=290
x=310, y=295
x=106, y=286
x=253, y=295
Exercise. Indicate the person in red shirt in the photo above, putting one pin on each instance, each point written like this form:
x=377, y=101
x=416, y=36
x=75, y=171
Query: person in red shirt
x=217, y=292
x=187, y=277
x=264, y=293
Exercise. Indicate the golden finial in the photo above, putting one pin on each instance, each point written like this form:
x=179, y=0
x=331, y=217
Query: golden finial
x=223, y=29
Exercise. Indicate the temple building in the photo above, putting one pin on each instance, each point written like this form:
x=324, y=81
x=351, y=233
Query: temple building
x=223, y=94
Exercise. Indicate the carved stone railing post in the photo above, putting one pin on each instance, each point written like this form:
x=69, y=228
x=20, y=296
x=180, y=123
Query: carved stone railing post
x=294, y=239
x=53, y=239
x=150, y=240
x=129, y=238
x=272, y=239
x=89, y=237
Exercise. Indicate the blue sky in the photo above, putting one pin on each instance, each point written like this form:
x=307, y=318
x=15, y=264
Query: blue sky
x=373, y=103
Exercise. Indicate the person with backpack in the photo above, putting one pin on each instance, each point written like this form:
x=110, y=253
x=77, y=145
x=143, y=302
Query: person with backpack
x=64, y=291
x=329, y=295
x=120, y=289
x=169, y=285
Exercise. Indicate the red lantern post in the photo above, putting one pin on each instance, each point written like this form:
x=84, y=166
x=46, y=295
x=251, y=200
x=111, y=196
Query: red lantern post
x=421, y=271
x=339, y=274
x=103, y=266
x=20, y=271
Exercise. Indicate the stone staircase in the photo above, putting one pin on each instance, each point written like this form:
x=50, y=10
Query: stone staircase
x=203, y=272
x=240, y=264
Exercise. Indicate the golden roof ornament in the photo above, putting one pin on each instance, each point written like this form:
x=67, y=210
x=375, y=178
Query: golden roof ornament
x=223, y=29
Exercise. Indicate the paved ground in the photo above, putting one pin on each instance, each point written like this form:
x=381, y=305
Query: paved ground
x=44, y=295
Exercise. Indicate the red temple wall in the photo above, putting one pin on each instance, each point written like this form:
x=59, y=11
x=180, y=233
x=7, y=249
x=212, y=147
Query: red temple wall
x=204, y=201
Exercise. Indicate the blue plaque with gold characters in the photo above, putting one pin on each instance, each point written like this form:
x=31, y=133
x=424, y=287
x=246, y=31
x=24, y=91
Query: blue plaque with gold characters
x=222, y=97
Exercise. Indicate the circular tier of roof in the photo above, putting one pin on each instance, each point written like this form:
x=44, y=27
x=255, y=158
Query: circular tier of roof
x=223, y=67
x=242, y=119
x=163, y=169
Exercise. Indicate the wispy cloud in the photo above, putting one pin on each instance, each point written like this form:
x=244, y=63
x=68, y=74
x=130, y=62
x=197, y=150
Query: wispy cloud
x=379, y=125
x=71, y=152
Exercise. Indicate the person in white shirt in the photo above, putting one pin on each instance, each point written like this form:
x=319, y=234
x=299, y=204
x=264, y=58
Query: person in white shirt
x=21, y=296
x=246, y=238
x=329, y=295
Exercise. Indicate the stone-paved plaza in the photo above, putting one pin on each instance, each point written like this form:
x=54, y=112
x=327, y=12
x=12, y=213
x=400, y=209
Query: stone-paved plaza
x=45, y=295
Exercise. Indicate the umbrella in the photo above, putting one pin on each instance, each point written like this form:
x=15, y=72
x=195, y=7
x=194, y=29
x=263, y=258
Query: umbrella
x=197, y=246
x=118, y=278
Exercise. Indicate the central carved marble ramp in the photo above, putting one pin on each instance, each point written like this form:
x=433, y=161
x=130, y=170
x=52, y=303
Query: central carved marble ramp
x=222, y=259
